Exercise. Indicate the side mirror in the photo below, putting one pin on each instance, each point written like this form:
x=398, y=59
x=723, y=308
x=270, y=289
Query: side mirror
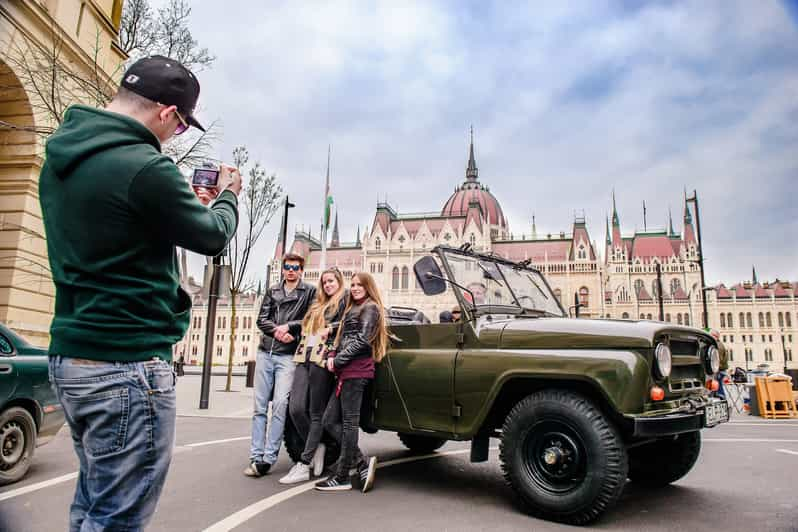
x=429, y=276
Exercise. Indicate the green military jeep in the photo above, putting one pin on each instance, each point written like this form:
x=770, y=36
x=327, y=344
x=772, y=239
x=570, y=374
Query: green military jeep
x=578, y=405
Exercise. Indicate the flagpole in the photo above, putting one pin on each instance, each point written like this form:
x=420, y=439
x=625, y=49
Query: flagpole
x=325, y=216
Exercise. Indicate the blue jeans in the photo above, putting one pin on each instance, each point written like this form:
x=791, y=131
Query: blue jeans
x=122, y=419
x=274, y=375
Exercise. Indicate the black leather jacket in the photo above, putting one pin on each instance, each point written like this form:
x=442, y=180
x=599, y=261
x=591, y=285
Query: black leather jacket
x=278, y=308
x=359, y=324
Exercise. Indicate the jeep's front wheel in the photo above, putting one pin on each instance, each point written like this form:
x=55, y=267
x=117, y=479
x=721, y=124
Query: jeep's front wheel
x=421, y=444
x=563, y=458
x=664, y=461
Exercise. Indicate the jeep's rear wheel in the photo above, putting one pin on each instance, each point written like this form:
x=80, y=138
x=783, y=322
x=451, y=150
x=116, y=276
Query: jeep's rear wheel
x=664, y=461
x=17, y=443
x=421, y=444
x=295, y=444
x=562, y=457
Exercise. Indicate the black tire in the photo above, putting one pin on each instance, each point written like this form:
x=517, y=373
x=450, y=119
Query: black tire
x=17, y=443
x=295, y=444
x=664, y=461
x=562, y=457
x=421, y=444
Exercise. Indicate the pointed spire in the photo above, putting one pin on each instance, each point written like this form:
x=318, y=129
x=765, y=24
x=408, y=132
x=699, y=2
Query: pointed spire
x=671, y=232
x=753, y=275
x=336, y=240
x=609, y=242
x=259, y=287
x=616, y=222
x=472, y=172
x=688, y=218
x=534, y=228
x=357, y=238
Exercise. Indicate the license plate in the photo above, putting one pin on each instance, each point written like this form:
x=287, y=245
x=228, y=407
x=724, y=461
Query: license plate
x=715, y=413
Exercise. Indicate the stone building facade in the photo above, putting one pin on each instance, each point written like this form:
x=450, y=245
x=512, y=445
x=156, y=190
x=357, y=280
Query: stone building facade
x=85, y=34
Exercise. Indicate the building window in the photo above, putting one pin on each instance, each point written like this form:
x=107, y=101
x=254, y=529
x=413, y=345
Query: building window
x=246, y=351
x=395, y=278
x=787, y=320
x=373, y=267
x=763, y=338
x=625, y=316
x=722, y=320
x=729, y=320
x=584, y=298
x=675, y=285
x=748, y=321
x=687, y=319
x=761, y=321
x=731, y=355
x=405, y=278
x=473, y=240
x=638, y=287
x=781, y=319
x=768, y=355
x=731, y=338
x=768, y=320
x=558, y=295
x=648, y=317
x=642, y=316
x=679, y=318
x=377, y=243
x=742, y=320
x=749, y=355
x=379, y=268
x=668, y=318
x=788, y=355
x=654, y=289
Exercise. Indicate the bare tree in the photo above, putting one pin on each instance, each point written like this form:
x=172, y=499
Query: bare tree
x=260, y=195
x=143, y=33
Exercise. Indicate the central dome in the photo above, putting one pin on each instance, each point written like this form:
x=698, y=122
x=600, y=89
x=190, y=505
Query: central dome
x=473, y=192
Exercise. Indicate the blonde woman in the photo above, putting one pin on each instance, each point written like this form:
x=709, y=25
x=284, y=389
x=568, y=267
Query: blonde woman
x=312, y=382
x=362, y=340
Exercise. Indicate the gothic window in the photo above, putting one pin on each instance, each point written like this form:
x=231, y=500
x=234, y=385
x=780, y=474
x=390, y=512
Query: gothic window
x=768, y=320
x=372, y=267
x=395, y=278
x=625, y=316
x=642, y=316
x=749, y=355
x=722, y=320
x=584, y=296
x=687, y=319
x=558, y=294
x=218, y=351
x=675, y=285
x=638, y=287
x=748, y=321
x=781, y=319
x=377, y=243
x=787, y=319
x=405, y=278
x=581, y=253
x=379, y=268
x=668, y=318
x=654, y=289
x=729, y=319
x=742, y=320
x=761, y=321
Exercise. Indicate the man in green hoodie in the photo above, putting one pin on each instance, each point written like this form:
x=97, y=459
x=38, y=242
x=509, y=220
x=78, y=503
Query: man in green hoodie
x=114, y=209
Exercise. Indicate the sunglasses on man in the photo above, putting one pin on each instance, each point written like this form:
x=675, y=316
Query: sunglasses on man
x=292, y=267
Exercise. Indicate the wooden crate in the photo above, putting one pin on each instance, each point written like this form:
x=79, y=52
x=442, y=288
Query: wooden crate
x=775, y=397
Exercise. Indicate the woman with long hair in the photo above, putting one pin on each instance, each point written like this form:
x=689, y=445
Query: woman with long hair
x=312, y=381
x=361, y=340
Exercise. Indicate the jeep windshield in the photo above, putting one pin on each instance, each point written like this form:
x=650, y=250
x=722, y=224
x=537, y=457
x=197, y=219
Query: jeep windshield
x=497, y=286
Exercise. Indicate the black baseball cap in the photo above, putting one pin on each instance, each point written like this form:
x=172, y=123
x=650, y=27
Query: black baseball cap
x=165, y=81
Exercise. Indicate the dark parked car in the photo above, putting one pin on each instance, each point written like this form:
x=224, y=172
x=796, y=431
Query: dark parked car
x=30, y=414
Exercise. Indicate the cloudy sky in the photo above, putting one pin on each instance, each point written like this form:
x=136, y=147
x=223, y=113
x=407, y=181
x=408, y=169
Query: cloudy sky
x=567, y=102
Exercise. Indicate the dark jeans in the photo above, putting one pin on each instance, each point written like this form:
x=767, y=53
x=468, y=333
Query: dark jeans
x=309, y=396
x=342, y=421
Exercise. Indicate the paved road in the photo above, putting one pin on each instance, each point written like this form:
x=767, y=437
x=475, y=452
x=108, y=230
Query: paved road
x=745, y=480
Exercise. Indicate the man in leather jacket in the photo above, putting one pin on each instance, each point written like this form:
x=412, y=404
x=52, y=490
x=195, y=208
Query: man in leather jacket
x=280, y=320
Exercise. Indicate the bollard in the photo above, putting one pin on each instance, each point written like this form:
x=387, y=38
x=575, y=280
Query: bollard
x=250, y=373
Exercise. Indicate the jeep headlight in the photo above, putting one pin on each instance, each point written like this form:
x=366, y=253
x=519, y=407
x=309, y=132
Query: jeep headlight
x=713, y=360
x=664, y=361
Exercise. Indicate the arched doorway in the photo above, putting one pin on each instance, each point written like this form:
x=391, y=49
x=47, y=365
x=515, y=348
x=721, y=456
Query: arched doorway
x=26, y=291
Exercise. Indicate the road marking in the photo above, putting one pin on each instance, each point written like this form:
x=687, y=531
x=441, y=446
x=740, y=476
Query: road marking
x=178, y=449
x=747, y=440
x=37, y=486
x=787, y=451
x=748, y=424
x=214, y=442
x=248, y=512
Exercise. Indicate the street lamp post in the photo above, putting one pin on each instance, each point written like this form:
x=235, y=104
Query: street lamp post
x=210, y=329
x=704, y=315
x=783, y=349
x=288, y=205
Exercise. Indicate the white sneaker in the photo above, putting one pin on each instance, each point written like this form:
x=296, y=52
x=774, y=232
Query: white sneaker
x=299, y=473
x=318, y=460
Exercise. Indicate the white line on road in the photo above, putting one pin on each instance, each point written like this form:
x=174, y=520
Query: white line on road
x=65, y=478
x=787, y=451
x=747, y=424
x=747, y=440
x=37, y=486
x=247, y=513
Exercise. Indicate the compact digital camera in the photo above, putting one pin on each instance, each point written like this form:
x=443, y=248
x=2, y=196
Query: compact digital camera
x=205, y=177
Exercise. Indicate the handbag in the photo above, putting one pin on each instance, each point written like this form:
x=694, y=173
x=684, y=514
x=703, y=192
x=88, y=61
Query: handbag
x=319, y=350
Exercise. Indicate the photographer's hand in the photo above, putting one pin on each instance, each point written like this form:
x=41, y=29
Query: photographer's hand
x=230, y=178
